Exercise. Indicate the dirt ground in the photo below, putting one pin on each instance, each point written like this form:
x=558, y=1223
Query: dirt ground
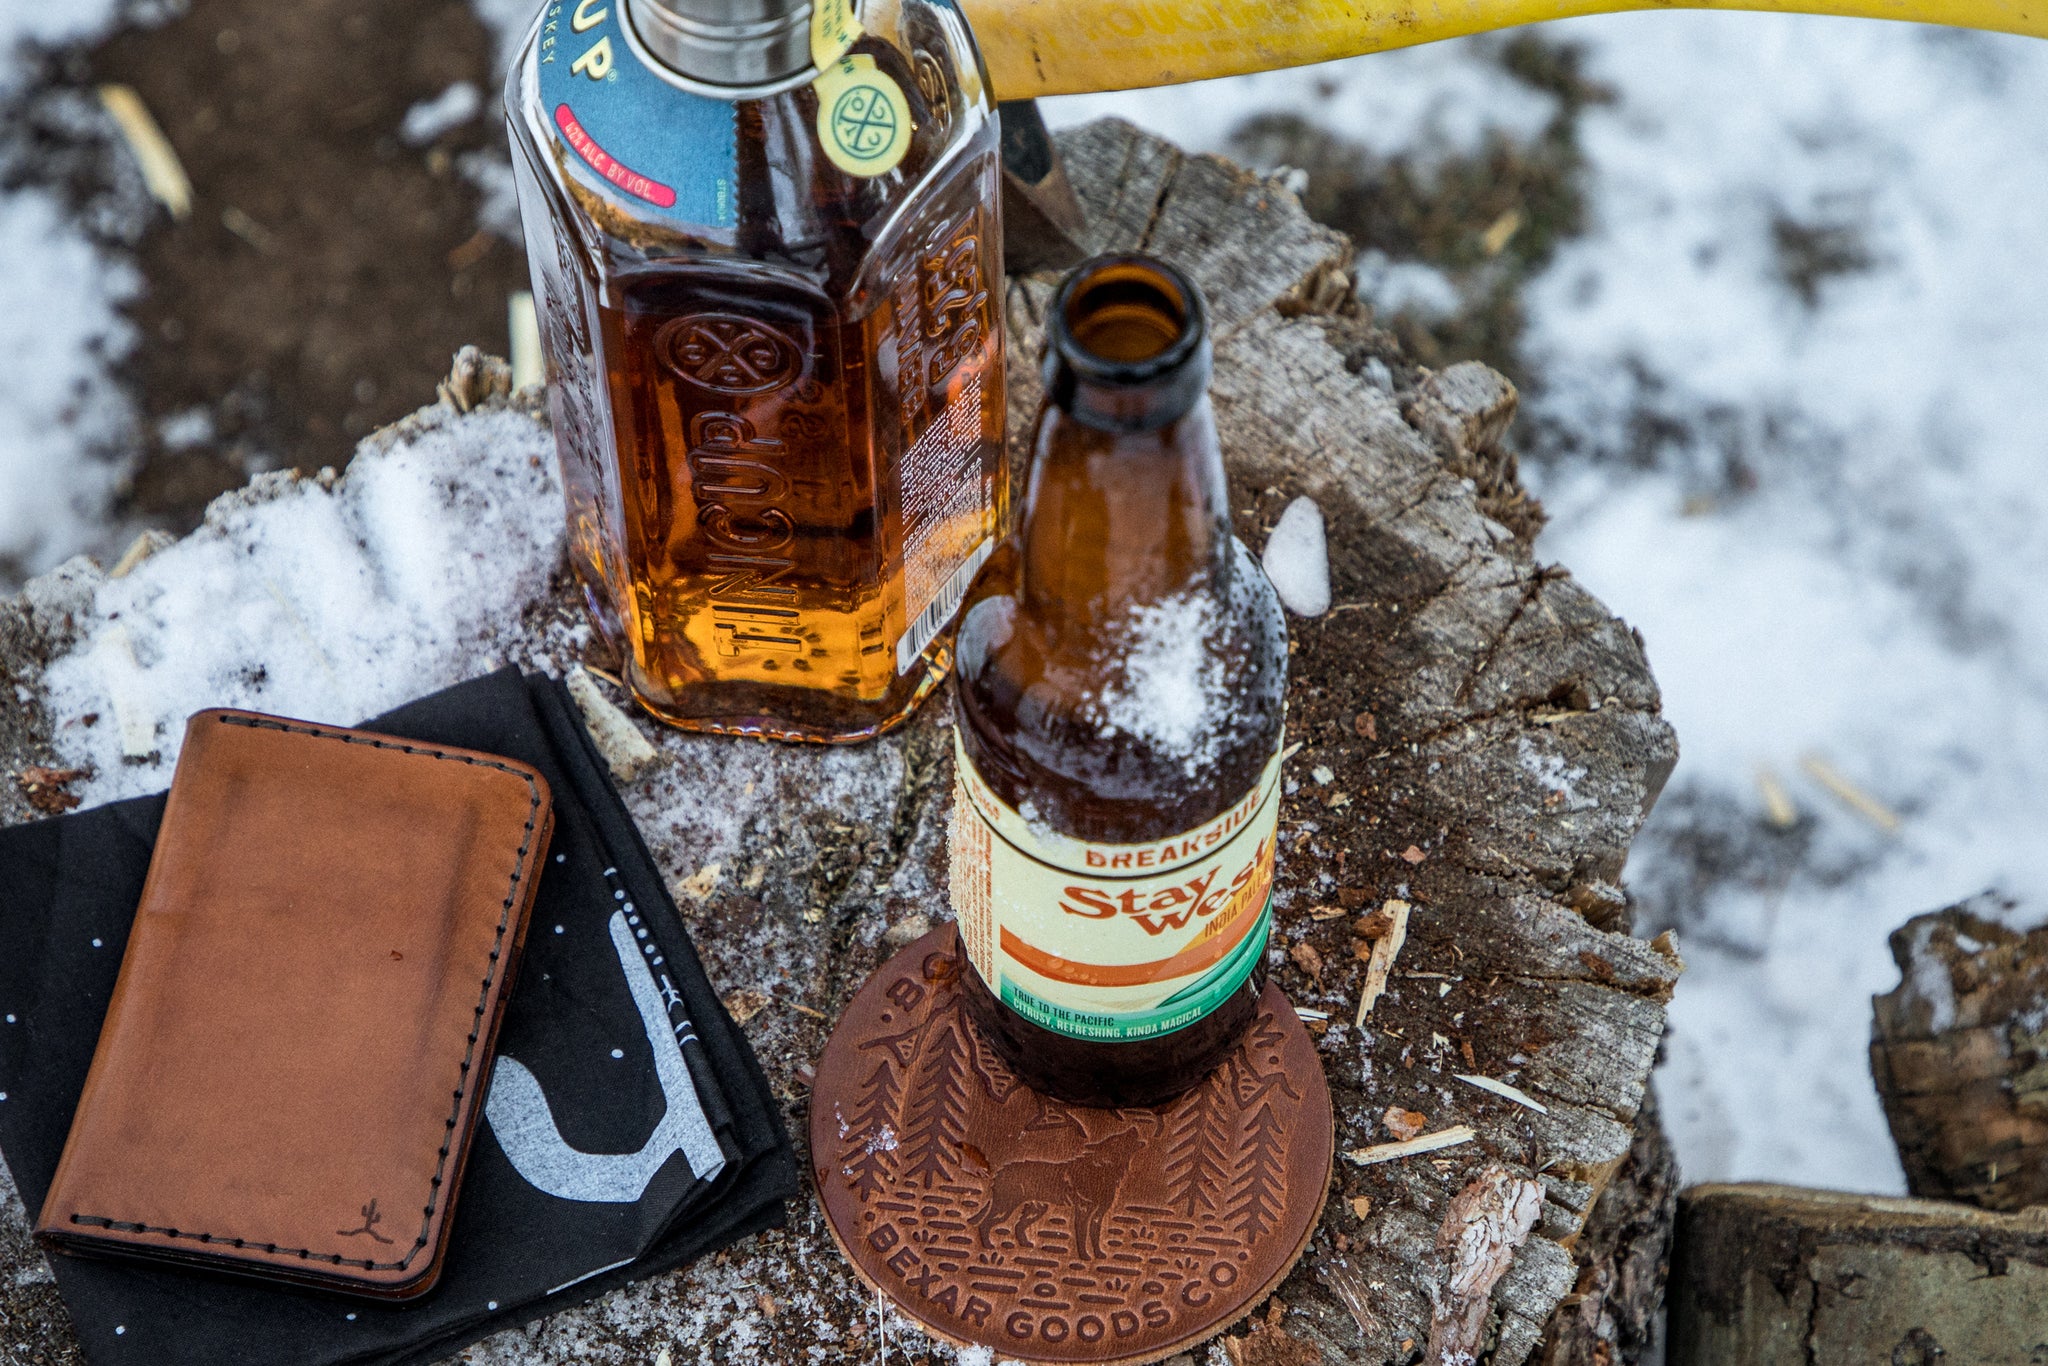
x=327, y=270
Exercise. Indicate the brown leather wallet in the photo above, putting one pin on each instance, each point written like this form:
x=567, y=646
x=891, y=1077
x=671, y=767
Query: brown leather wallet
x=300, y=1040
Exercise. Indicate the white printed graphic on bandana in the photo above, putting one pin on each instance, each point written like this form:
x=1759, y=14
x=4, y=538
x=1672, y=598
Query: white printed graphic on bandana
x=526, y=1129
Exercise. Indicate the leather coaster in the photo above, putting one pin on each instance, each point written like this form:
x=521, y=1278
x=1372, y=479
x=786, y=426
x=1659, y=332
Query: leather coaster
x=996, y=1216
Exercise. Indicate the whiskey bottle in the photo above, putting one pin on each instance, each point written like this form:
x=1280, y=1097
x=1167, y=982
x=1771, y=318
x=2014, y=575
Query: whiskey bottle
x=766, y=258
x=1119, y=708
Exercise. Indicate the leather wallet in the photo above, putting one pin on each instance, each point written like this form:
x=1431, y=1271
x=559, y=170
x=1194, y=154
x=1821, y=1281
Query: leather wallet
x=299, y=1043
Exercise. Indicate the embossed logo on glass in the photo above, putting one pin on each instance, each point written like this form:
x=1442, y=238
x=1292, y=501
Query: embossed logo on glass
x=729, y=353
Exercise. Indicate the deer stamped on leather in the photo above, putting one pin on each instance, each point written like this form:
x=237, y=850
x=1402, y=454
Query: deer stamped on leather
x=994, y=1215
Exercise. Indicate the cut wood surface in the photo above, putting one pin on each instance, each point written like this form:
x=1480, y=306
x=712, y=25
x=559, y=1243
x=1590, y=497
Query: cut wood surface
x=1492, y=740
x=1776, y=1276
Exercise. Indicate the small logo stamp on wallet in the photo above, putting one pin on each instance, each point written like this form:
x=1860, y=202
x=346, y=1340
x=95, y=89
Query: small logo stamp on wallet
x=371, y=1218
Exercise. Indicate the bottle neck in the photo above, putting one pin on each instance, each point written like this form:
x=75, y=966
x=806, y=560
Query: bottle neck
x=1127, y=502
x=737, y=43
x=1113, y=521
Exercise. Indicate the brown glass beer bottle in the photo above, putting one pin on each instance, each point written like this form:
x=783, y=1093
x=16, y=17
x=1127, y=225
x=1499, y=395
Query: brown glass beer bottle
x=1120, y=702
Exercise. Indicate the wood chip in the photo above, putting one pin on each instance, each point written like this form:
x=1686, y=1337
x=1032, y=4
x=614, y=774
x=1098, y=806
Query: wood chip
x=249, y=230
x=161, y=170
x=1327, y=912
x=1486, y=1223
x=1412, y=854
x=1778, y=807
x=1427, y=1143
x=140, y=549
x=745, y=1003
x=44, y=787
x=1375, y=923
x=1384, y=950
x=1361, y=1206
x=1348, y=1283
x=1366, y=726
x=626, y=751
x=1404, y=1124
x=1305, y=957
x=1500, y=232
x=1504, y=1091
x=699, y=884
x=1850, y=795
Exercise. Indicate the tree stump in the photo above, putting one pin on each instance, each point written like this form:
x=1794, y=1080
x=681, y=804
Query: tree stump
x=1960, y=1055
x=1480, y=742
x=1777, y=1276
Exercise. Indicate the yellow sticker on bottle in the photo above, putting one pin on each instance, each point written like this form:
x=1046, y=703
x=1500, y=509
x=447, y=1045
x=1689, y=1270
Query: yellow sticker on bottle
x=863, y=117
x=833, y=29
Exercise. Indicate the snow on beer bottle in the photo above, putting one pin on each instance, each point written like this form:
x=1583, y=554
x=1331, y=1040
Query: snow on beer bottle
x=1119, y=708
x=767, y=263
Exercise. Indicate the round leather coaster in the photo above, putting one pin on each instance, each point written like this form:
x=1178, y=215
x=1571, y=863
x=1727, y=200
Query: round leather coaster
x=994, y=1215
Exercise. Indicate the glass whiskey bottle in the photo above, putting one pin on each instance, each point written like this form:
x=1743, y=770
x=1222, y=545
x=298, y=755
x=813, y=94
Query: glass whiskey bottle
x=767, y=261
x=1119, y=707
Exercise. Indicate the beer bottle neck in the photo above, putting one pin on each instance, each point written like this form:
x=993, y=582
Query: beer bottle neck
x=1127, y=502
x=1114, y=520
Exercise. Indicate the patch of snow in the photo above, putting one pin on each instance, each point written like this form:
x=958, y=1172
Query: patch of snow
x=1297, y=559
x=1412, y=287
x=1837, y=549
x=60, y=411
x=1171, y=690
x=323, y=599
x=182, y=431
x=445, y=112
x=1929, y=980
x=1444, y=97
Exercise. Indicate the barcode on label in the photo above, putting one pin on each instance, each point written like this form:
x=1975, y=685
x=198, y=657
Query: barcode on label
x=940, y=610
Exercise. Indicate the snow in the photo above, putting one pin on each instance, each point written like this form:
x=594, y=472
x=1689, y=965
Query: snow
x=445, y=112
x=1172, y=690
x=59, y=408
x=327, y=599
x=1298, y=561
x=1822, y=517
x=59, y=329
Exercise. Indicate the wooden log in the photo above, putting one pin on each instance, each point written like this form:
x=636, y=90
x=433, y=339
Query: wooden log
x=1480, y=737
x=1615, y=1311
x=1776, y=1276
x=1959, y=1052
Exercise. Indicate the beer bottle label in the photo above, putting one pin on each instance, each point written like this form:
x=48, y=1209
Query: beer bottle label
x=1111, y=941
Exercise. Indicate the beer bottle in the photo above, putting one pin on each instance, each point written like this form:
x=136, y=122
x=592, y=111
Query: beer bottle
x=767, y=264
x=1122, y=671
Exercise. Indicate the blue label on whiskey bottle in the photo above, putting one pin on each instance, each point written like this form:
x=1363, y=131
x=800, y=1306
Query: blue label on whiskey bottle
x=614, y=111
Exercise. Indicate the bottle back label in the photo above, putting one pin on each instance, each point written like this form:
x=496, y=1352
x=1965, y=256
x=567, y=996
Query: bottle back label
x=1111, y=942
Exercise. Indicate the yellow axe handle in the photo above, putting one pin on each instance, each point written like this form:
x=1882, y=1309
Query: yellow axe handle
x=1067, y=47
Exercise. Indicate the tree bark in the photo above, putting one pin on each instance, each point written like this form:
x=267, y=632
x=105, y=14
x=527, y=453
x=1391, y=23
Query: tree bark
x=1960, y=1056
x=1481, y=740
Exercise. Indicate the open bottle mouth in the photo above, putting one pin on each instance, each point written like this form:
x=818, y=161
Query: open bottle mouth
x=1128, y=343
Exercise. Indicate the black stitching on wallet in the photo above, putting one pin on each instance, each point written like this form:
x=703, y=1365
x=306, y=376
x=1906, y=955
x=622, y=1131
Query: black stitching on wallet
x=519, y=873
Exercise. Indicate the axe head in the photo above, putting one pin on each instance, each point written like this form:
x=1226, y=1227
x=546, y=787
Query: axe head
x=1042, y=220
